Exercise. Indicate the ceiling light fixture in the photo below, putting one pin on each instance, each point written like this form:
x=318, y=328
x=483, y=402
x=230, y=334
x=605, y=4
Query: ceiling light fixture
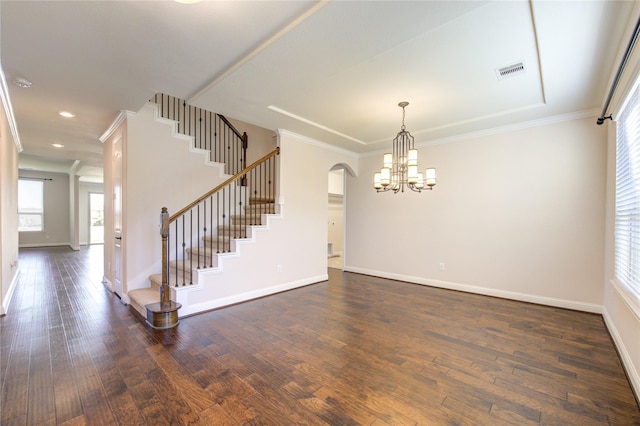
x=22, y=82
x=400, y=167
x=57, y=145
x=67, y=114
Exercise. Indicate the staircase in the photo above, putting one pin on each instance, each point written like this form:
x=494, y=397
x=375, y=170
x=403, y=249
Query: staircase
x=209, y=228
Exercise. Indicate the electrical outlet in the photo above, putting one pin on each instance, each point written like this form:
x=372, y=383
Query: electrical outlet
x=441, y=266
x=279, y=268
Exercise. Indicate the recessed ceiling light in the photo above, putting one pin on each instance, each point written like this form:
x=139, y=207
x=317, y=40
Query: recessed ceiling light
x=57, y=145
x=67, y=114
x=22, y=82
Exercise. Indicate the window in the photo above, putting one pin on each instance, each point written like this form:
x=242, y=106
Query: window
x=30, y=205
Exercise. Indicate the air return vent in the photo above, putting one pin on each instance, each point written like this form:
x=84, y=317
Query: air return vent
x=510, y=70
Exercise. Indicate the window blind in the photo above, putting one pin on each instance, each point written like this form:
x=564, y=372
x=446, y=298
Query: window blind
x=627, y=216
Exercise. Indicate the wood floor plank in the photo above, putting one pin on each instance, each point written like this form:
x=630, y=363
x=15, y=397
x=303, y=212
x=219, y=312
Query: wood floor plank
x=352, y=350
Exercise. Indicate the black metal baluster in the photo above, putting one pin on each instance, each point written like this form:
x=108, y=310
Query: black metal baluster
x=166, y=266
x=211, y=228
x=204, y=230
x=176, y=253
x=184, y=278
x=198, y=236
x=223, y=220
x=184, y=260
x=184, y=116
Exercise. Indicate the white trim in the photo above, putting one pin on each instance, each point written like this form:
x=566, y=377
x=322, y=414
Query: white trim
x=8, y=108
x=632, y=373
x=107, y=283
x=12, y=287
x=313, y=123
x=74, y=168
x=627, y=298
x=122, y=116
x=497, y=130
x=187, y=309
x=271, y=40
x=522, y=297
x=515, y=127
x=39, y=245
x=315, y=142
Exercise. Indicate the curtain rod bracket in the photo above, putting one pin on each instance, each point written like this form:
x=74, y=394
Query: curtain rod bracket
x=601, y=119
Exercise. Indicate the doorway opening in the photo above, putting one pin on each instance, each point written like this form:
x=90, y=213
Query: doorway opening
x=96, y=218
x=335, y=235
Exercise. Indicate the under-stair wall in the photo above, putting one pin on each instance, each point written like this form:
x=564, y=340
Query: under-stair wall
x=162, y=170
x=289, y=250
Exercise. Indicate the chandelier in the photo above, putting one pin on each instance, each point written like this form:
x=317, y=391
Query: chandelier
x=400, y=167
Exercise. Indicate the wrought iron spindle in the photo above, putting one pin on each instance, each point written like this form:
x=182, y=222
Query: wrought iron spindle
x=232, y=217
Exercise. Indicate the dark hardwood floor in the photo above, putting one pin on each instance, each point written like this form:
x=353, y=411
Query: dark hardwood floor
x=353, y=350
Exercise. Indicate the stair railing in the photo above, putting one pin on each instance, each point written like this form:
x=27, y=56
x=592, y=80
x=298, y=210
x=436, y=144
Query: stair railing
x=208, y=225
x=211, y=131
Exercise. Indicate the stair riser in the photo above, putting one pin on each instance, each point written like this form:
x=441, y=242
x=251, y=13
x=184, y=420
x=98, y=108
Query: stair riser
x=246, y=220
x=259, y=209
x=261, y=200
x=140, y=309
x=209, y=258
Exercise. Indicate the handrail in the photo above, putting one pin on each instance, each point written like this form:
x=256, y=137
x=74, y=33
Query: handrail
x=231, y=126
x=224, y=184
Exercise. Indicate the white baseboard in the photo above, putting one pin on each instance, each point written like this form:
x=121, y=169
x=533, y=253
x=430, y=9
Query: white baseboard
x=632, y=372
x=12, y=287
x=522, y=297
x=187, y=309
x=43, y=245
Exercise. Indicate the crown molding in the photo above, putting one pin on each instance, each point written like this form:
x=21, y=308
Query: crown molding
x=578, y=115
x=315, y=142
x=8, y=109
x=122, y=117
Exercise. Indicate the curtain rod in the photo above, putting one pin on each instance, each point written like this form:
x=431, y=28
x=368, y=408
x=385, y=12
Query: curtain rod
x=623, y=63
x=33, y=178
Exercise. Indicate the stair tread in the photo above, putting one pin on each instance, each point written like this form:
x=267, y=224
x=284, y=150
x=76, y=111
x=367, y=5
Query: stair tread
x=144, y=296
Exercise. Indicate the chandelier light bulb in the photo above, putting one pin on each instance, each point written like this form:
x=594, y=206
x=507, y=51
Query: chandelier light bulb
x=377, y=181
x=430, y=177
x=387, y=161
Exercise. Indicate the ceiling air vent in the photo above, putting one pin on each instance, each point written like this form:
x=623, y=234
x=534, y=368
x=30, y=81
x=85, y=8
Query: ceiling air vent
x=510, y=71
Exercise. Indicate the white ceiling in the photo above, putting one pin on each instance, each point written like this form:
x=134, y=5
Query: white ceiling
x=334, y=71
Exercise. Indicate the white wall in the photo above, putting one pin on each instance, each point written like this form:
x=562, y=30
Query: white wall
x=161, y=171
x=336, y=182
x=621, y=310
x=56, y=211
x=8, y=211
x=261, y=141
x=293, y=250
x=517, y=215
